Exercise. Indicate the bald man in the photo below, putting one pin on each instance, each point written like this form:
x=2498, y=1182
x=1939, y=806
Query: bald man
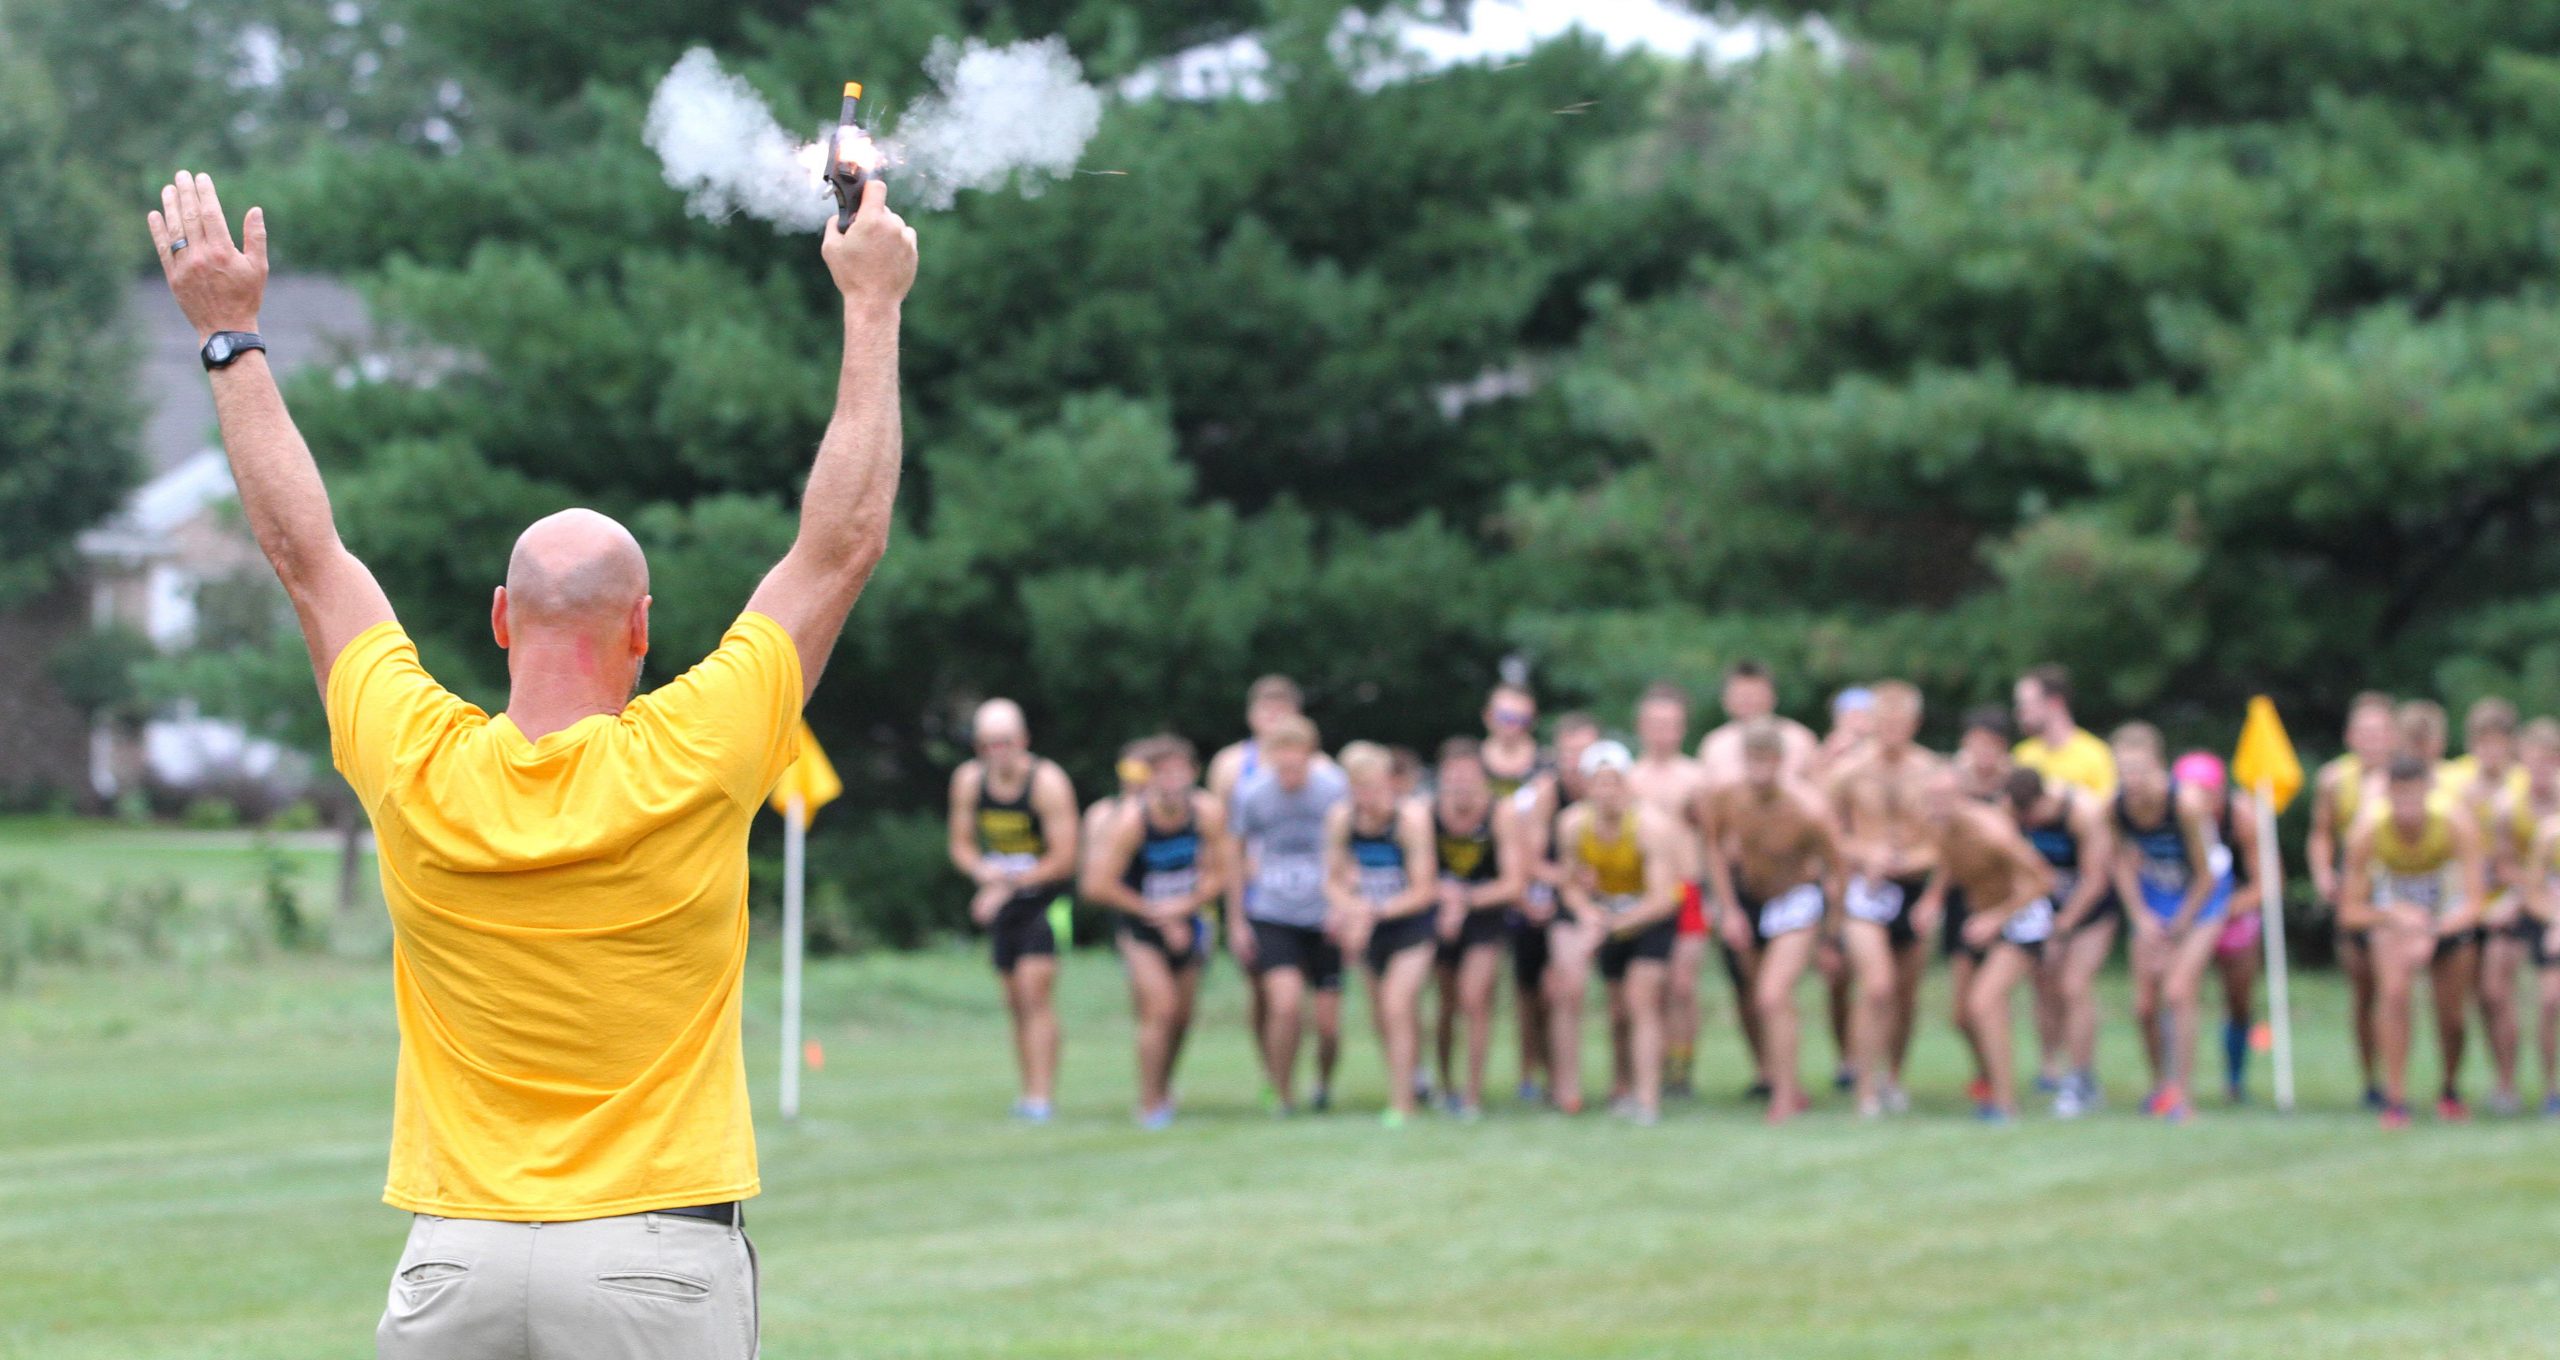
x=1013, y=832
x=567, y=880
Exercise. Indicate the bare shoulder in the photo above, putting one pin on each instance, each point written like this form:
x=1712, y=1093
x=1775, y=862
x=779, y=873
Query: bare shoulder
x=965, y=781
x=1049, y=781
x=1208, y=811
x=1222, y=767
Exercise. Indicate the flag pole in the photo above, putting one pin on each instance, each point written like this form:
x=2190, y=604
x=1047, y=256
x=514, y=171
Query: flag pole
x=2271, y=916
x=795, y=828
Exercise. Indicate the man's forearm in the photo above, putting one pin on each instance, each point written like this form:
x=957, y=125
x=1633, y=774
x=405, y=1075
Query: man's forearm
x=844, y=514
x=279, y=484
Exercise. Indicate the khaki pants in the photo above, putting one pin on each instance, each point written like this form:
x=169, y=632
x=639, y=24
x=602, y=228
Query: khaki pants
x=637, y=1287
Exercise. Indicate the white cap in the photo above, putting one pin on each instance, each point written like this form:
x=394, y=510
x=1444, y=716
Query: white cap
x=1607, y=755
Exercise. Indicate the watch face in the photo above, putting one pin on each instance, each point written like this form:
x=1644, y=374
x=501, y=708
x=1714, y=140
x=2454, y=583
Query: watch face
x=219, y=349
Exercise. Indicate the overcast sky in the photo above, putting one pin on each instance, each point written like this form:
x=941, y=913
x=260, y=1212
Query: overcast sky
x=1495, y=29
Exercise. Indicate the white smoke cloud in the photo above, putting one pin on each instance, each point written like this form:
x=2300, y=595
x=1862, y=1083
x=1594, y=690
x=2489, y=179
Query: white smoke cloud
x=1016, y=115
x=721, y=146
x=1020, y=113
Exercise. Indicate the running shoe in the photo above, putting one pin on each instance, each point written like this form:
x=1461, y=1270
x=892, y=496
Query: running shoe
x=1033, y=1111
x=1623, y=1107
x=2049, y=1084
x=1531, y=1093
x=2067, y=1103
x=2178, y=1112
x=1451, y=1103
x=1323, y=1102
x=1391, y=1119
x=2551, y=1106
x=2504, y=1104
x=1979, y=1091
x=2235, y=1094
x=1846, y=1079
x=1156, y=1120
x=2394, y=1117
x=1678, y=1088
x=1985, y=1112
x=2451, y=1110
x=1568, y=1104
x=1757, y=1090
x=2373, y=1099
x=1642, y=1118
x=2170, y=1103
x=1896, y=1100
x=1467, y=1113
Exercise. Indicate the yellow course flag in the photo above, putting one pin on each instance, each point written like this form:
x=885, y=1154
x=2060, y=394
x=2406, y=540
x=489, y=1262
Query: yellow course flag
x=2266, y=754
x=810, y=776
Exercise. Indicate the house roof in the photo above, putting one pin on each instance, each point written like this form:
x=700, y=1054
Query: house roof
x=307, y=319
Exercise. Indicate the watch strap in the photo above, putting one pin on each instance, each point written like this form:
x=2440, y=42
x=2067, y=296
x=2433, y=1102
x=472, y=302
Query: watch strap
x=232, y=345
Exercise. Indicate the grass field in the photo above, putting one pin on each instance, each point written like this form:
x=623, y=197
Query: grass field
x=190, y=1158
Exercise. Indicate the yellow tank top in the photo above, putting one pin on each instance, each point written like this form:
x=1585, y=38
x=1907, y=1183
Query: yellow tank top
x=1617, y=865
x=2429, y=853
x=2348, y=786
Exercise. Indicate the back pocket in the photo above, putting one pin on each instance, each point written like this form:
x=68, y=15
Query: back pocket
x=655, y=1284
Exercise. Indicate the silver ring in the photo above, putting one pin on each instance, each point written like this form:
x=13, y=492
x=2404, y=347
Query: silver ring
x=177, y=245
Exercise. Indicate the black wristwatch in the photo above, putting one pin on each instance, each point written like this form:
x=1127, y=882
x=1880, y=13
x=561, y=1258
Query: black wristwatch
x=225, y=346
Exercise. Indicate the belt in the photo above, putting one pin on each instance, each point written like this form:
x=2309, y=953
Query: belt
x=732, y=1212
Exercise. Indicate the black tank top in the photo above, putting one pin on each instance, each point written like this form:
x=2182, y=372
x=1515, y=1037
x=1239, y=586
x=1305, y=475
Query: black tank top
x=1008, y=830
x=1168, y=862
x=1381, y=861
x=1467, y=857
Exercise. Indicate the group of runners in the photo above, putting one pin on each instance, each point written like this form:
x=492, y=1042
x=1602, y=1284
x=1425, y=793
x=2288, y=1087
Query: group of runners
x=1855, y=857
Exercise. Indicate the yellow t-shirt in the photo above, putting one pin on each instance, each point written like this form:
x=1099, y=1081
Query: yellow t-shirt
x=569, y=927
x=2082, y=761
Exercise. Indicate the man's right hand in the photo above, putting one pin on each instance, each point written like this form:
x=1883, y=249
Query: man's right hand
x=874, y=260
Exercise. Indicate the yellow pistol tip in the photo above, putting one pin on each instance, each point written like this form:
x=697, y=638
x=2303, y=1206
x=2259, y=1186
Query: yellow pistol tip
x=853, y=89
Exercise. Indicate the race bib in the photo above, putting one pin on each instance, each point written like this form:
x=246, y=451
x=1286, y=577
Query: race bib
x=2417, y=890
x=1011, y=864
x=1798, y=908
x=2032, y=924
x=1876, y=901
x=1618, y=904
x=1295, y=876
x=1166, y=884
x=1379, y=884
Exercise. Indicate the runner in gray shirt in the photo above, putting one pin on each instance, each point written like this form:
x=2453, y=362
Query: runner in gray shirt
x=1282, y=935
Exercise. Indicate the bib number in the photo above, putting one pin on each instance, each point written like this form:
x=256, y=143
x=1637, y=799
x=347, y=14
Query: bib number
x=1295, y=877
x=1012, y=864
x=1166, y=884
x=2417, y=890
x=1378, y=885
x=1798, y=908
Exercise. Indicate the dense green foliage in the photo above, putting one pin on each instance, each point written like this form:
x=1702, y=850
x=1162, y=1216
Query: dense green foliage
x=66, y=427
x=2203, y=346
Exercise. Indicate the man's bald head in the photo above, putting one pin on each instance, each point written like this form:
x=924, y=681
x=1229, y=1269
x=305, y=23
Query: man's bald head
x=575, y=570
x=999, y=718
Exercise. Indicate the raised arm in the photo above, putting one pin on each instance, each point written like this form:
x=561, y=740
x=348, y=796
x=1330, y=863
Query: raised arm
x=220, y=286
x=844, y=512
